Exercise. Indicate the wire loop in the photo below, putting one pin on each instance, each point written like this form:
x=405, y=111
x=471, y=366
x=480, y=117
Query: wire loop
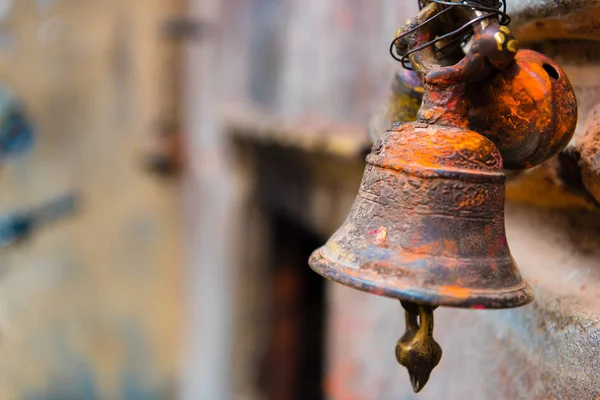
x=482, y=10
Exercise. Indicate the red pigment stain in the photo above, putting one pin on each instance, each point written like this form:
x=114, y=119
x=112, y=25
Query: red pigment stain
x=479, y=307
x=583, y=287
x=378, y=236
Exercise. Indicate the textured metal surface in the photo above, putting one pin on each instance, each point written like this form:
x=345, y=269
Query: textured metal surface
x=529, y=110
x=557, y=183
x=427, y=225
x=492, y=47
x=454, y=24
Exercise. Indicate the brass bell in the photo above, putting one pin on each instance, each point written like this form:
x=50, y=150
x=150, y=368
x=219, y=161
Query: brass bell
x=427, y=228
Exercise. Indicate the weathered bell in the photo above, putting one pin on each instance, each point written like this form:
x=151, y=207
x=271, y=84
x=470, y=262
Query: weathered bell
x=427, y=225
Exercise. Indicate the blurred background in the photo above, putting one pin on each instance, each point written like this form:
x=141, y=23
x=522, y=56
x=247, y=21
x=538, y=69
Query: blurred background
x=168, y=166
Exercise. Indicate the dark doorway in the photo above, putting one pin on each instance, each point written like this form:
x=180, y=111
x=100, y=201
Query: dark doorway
x=293, y=363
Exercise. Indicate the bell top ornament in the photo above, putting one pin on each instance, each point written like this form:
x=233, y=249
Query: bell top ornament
x=527, y=107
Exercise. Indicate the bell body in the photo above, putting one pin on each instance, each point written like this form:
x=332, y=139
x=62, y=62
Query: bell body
x=428, y=223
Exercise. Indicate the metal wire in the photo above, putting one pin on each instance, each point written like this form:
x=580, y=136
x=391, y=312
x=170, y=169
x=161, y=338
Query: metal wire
x=484, y=9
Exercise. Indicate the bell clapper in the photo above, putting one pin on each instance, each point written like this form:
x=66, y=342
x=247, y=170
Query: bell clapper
x=417, y=350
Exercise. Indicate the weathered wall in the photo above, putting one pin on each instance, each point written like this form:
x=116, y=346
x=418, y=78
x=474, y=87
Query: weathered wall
x=90, y=307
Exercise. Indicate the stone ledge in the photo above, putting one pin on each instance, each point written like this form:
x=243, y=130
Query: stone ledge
x=307, y=133
x=535, y=20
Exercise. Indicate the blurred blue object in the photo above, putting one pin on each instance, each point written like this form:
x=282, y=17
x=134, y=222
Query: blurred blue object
x=14, y=227
x=18, y=226
x=16, y=130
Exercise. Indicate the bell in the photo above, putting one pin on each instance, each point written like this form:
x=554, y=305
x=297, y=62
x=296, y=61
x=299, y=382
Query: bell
x=427, y=225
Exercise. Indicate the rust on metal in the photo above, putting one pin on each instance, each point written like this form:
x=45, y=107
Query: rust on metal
x=493, y=48
x=528, y=110
x=428, y=223
x=425, y=40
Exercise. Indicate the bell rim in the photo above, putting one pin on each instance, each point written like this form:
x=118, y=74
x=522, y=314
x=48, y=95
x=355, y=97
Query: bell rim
x=511, y=297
